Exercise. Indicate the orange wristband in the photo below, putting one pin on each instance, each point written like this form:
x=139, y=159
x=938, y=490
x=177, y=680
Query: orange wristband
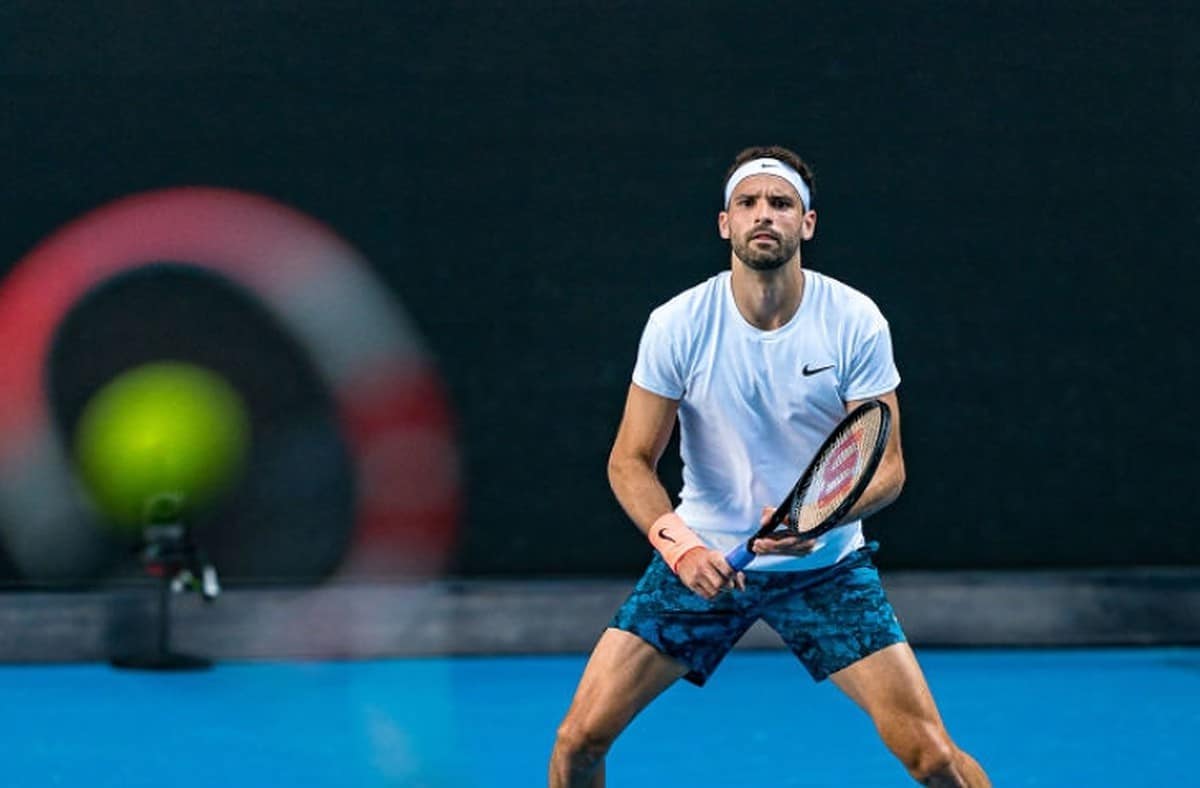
x=672, y=538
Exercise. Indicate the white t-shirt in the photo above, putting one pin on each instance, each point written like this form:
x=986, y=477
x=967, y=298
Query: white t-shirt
x=754, y=405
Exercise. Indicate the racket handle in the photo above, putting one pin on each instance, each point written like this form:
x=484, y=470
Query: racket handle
x=739, y=557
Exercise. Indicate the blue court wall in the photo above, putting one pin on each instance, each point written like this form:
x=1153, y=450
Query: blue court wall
x=1014, y=184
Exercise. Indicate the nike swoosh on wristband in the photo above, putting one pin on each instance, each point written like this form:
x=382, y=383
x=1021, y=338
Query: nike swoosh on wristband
x=662, y=534
x=806, y=371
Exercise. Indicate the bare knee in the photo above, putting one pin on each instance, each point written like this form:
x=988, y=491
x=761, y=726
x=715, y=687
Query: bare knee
x=930, y=756
x=581, y=745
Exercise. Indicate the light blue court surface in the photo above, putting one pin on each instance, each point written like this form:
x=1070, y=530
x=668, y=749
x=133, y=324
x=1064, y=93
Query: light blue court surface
x=1034, y=718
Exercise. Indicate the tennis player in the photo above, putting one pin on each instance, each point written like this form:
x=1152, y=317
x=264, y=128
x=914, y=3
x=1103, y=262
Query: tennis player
x=758, y=364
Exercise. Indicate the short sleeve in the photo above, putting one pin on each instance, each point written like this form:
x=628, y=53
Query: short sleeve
x=658, y=369
x=872, y=369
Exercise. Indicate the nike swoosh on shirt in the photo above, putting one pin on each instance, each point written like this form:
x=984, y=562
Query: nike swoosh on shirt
x=806, y=371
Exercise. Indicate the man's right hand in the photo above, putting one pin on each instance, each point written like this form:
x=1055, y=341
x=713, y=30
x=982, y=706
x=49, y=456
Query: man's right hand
x=707, y=573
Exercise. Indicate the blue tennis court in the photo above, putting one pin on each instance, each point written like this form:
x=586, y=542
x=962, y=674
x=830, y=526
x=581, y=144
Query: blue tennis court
x=1033, y=718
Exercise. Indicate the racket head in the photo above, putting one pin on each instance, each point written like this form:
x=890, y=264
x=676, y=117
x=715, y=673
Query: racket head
x=838, y=473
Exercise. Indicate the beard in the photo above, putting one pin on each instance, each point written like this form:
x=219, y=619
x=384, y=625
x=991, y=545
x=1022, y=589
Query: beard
x=766, y=259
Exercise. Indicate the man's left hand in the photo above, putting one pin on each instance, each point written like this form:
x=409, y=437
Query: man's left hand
x=782, y=543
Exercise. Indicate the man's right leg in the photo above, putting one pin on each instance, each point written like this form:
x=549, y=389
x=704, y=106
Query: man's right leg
x=622, y=676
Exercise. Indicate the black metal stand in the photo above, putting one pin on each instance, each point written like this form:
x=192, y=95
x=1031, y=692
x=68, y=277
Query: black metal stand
x=169, y=554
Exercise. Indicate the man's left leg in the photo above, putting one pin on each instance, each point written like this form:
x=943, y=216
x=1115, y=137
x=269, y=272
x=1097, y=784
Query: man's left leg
x=841, y=626
x=890, y=687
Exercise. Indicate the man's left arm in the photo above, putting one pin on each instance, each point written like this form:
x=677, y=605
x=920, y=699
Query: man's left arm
x=885, y=486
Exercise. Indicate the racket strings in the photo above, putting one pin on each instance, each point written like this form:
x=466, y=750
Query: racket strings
x=836, y=474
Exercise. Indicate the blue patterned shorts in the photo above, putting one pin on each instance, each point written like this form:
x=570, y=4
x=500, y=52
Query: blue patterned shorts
x=829, y=617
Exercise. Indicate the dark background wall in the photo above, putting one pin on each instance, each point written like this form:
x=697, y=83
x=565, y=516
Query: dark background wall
x=1014, y=184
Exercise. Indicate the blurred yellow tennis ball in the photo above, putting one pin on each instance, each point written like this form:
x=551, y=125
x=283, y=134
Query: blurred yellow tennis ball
x=160, y=440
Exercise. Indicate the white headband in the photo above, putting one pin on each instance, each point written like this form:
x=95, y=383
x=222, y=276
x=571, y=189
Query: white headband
x=768, y=167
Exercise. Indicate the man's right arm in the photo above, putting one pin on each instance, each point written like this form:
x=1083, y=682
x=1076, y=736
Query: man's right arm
x=641, y=439
x=632, y=471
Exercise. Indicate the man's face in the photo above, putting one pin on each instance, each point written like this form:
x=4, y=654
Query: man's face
x=766, y=222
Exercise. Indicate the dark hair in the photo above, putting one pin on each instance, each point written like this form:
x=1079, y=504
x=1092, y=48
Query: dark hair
x=786, y=156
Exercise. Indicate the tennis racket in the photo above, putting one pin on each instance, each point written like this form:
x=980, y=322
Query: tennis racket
x=833, y=481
